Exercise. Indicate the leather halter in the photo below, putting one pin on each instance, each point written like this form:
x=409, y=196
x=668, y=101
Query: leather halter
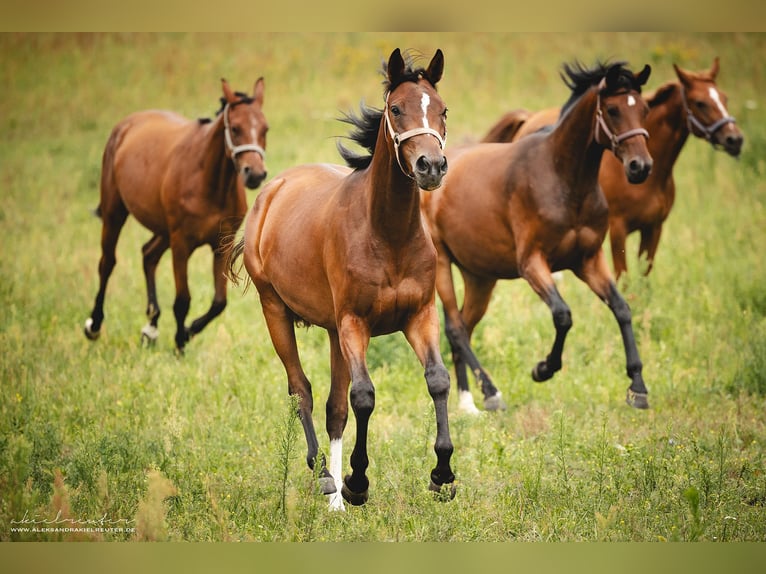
x=398, y=138
x=601, y=124
x=238, y=149
x=693, y=122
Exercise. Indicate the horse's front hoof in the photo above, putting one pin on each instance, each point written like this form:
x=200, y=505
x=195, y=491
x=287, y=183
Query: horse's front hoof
x=444, y=492
x=327, y=485
x=353, y=498
x=149, y=334
x=637, y=400
x=541, y=372
x=89, y=332
x=494, y=403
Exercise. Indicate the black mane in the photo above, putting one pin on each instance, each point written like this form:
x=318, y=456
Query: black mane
x=367, y=124
x=243, y=99
x=580, y=79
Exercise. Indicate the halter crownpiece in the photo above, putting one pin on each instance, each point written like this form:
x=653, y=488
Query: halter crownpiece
x=398, y=138
x=601, y=124
x=707, y=131
x=238, y=149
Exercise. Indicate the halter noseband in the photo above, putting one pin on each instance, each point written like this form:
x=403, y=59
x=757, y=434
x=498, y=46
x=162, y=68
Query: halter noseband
x=398, y=138
x=693, y=122
x=602, y=125
x=238, y=149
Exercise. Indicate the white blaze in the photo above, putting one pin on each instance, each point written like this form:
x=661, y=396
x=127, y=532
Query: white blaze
x=631, y=101
x=424, y=101
x=717, y=99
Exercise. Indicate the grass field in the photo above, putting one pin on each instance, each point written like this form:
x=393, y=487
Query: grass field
x=205, y=447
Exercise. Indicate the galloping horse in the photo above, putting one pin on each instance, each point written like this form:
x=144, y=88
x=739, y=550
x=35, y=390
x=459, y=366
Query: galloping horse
x=345, y=248
x=525, y=209
x=693, y=105
x=183, y=180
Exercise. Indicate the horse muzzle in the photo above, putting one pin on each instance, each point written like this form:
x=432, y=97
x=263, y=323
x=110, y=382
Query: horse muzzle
x=637, y=169
x=731, y=141
x=429, y=172
x=252, y=177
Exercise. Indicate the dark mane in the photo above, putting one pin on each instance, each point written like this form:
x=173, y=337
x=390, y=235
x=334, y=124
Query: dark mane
x=367, y=123
x=580, y=79
x=661, y=94
x=243, y=99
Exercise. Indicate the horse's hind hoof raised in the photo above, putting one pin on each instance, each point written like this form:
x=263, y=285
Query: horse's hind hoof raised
x=444, y=492
x=494, y=403
x=353, y=498
x=541, y=372
x=637, y=400
x=89, y=332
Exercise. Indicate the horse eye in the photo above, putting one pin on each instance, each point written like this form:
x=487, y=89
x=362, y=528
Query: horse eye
x=700, y=104
x=235, y=130
x=613, y=112
x=395, y=110
x=444, y=113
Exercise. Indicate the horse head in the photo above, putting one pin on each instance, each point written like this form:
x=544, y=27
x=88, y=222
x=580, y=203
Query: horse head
x=416, y=119
x=245, y=130
x=706, y=111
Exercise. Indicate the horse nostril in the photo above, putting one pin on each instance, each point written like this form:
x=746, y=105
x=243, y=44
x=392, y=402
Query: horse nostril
x=443, y=166
x=635, y=165
x=422, y=165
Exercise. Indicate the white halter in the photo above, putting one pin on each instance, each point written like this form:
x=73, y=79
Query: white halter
x=602, y=125
x=398, y=138
x=236, y=150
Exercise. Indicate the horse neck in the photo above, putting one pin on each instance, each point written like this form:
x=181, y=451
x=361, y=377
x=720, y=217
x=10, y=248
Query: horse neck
x=393, y=208
x=576, y=154
x=219, y=175
x=668, y=132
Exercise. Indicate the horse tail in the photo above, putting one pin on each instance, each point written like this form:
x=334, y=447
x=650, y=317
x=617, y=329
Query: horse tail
x=234, y=251
x=507, y=127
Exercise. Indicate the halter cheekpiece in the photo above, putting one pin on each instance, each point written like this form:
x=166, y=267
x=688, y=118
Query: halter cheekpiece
x=601, y=124
x=238, y=149
x=398, y=138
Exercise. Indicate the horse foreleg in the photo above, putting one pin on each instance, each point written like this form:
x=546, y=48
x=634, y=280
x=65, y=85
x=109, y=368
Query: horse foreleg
x=336, y=418
x=617, y=237
x=219, y=298
x=650, y=239
x=113, y=219
x=538, y=275
x=423, y=335
x=182, y=301
x=152, y=251
x=279, y=322
x=596, y=274
x=354, y=337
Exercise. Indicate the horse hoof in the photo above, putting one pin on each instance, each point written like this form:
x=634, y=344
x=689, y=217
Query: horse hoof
x=444, y=492
x=541, y=373
x=494, y=403
x=637, y=400
x=327, y=485
x=89, y=332
x=465, y=403
x=353, y=498
x=149, y=334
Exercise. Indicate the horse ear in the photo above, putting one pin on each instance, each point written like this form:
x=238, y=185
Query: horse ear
x=683, y=75
x=436, y=67
x=714, y=69
x=643, y=75
x=395, y=67
x=227, y=92
x=258, y=91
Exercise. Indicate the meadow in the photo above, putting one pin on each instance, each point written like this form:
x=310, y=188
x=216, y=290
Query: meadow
x=206, y=447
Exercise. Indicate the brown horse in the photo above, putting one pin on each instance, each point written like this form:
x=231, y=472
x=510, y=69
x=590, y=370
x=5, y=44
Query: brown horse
x=693, y=105
x=346, y=249
x=183, y=180
x=528, y=208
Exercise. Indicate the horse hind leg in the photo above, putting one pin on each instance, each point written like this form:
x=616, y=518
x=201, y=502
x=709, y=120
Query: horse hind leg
x=219, y=299
x=152, y=251
x=113, y=218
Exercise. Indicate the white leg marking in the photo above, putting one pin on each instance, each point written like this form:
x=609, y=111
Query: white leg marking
x=150, y=332
x=336, y=465
x=716, y=97
x=465, y=403
x=424, y=101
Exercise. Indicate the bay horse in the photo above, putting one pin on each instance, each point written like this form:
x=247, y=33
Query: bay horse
x=526, y=209
x=184, y=180
x=344, y=248
x=692, y=105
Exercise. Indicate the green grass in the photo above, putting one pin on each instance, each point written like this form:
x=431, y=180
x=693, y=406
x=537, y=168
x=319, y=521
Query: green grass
x=206, y=447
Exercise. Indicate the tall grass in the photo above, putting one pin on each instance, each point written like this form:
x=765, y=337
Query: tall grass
x=204, y=447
